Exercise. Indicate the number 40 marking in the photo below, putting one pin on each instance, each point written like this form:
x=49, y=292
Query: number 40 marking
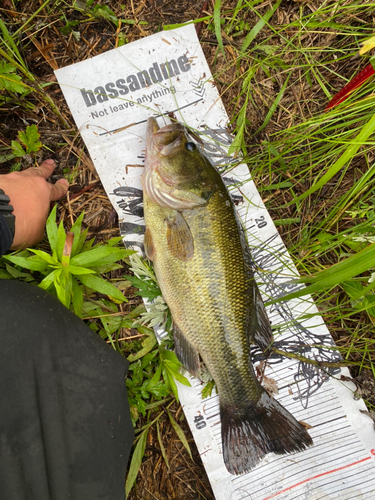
x=199, y=422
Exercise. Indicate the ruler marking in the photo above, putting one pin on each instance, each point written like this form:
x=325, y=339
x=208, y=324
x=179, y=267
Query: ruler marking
x=343, y=487
x=315, y=477
x=276, y=463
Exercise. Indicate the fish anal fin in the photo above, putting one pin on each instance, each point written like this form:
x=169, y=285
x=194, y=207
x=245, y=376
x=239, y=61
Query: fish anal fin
x=179, y=237
x=260, y=332
x=252, y=431
x=149, y=245
x=185, y=352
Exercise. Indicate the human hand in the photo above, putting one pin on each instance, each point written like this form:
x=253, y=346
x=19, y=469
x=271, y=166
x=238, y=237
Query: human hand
x=30, y=195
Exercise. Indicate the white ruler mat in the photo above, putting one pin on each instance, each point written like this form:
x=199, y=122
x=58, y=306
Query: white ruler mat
x=111, y=96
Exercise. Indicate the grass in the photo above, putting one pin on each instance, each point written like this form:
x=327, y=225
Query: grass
x=276, y=65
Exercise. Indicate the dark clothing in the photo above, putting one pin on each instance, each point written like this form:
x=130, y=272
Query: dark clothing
x=65, y=429
x=6, y=237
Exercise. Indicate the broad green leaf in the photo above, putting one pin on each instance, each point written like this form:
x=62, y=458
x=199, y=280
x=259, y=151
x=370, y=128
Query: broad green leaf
x=180, y=433
x=77, y=297
x=59, y=287
x=106, y=268
x=4, y=275
x=30, y=139
x=61, y=238
x=9, y=80
x=156, y=377
x=352, y=288
x=100, y=256
x=12, y=83
x=79, y=270
x=101, y=286
x=49, y=279
x=105, y=12
x=63, y=284
x=147, y=345
x=136, y=461
x=207, y=389
x=81, y=241
x=18, y=274
x=45, y=256
x=168, y=378
x=34, y=263
x=177, y=375
x=113, y=241
x=17, y=149
x=76, y=230
x=51, y=227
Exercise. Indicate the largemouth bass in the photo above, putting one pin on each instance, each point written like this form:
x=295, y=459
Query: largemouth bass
x=203, y=267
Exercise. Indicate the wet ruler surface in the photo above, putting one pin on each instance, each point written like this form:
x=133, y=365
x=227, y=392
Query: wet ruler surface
x=111, y=96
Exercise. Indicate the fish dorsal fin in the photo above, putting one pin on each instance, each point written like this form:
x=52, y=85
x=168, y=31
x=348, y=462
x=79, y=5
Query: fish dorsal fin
x=260, y=327
x=149, y=245
x=179, y=237
x=185, y=352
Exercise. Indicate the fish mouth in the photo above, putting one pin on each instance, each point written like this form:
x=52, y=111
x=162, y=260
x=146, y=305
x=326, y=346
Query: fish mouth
x=166, y=140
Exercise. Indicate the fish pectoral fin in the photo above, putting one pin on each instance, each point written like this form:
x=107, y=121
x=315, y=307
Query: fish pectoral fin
x=149, y=245
x=260, y=326
x=185, y=352
x=179, y=237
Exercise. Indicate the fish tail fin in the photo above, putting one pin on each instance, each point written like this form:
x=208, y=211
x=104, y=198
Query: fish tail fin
x=252, y=431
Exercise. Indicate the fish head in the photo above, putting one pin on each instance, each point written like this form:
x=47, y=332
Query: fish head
x=171, y=152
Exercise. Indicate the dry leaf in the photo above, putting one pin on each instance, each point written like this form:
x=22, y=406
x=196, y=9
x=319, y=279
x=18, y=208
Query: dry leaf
x=367, y=45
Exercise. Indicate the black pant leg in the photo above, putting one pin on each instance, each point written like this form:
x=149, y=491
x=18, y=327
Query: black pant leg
x=65, y=428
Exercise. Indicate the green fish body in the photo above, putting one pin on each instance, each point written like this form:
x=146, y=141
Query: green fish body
x=204, y=271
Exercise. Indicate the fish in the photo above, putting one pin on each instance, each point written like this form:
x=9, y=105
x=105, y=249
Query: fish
x=204, y=269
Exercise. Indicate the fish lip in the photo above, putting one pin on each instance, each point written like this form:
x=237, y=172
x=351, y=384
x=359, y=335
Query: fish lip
x=152, y=128
x=163, y=141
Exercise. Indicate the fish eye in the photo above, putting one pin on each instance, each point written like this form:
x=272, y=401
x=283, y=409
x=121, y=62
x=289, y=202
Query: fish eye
x=190, y=146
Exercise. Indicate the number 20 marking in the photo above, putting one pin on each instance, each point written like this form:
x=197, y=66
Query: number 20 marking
x=261, y=222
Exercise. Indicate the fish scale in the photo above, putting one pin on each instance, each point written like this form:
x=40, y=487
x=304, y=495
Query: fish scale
x=216, y=270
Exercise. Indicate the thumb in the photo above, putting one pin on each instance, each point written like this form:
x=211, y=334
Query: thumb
x=59, y=189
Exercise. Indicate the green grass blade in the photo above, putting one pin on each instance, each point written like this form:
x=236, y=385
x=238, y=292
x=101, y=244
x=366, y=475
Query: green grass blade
x=136, y=461
x=350, y=151
x=163, y=452
x=180, y=433
x=338, y=273
x=217, y=24
x=101, y=286
x=10, y=45
x=273, y=106
x=51, y=227
x=259, y=25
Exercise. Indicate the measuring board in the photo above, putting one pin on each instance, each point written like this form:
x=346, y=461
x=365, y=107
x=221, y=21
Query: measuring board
x=111, y=96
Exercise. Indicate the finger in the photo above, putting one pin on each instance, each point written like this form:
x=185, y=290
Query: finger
x=45, y=169
x=59, y=189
